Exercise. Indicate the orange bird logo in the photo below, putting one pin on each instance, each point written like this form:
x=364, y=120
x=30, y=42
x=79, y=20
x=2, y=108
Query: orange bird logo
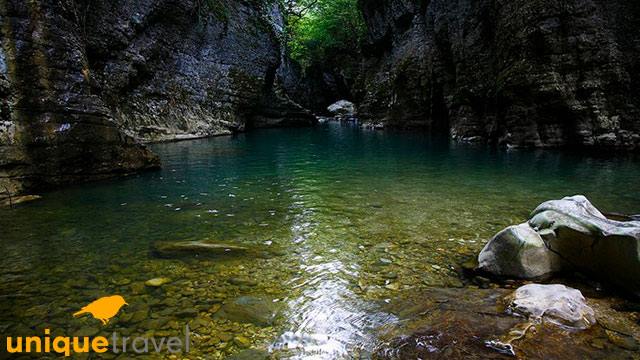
x=104, y=308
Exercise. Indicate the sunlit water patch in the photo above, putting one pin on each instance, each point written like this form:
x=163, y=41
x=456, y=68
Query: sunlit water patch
x=335, y=223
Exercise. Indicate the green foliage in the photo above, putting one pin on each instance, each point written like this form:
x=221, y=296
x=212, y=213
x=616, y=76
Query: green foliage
x=323, y=30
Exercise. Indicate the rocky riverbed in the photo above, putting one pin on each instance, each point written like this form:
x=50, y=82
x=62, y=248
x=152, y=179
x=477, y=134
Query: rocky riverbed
x=266, y=246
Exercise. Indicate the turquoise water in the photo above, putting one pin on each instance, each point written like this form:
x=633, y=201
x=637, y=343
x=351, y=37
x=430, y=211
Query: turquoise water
x=347, y=220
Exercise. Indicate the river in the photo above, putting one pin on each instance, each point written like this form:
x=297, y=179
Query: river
x=348, y=221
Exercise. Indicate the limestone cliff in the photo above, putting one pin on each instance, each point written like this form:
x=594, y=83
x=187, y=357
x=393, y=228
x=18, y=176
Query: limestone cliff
x=519, y=72
x=83, y=81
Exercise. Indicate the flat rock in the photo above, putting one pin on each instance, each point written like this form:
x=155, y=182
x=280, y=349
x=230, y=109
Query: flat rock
x=157, y=282
x=176, y=249
x=15, y=200
x=556, y=303
x=250, y=354
x=249, y=309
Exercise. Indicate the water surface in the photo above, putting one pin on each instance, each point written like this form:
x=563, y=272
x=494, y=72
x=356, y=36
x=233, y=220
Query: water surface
x=351, y=219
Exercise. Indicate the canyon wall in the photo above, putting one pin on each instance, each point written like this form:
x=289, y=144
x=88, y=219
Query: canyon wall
x=83, y=82
x=521, y=73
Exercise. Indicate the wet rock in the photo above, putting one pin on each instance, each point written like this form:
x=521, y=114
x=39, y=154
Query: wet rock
x=622, y=340
x=89, y=331
x=470, y=265
x=137, y=288
x=518, y=251
x=155, y=324
x=15, y=200
x=445, y=323
x=598, y=343
x=186, y=313
x=200, y=322
x=121, y=282
x=567, y=234
x=179, y=249
x=226, y=337
x=390, y=275
x=393, y=286
x=342, y=108
x=556, y=303
x=454, y=282
x=242, y=341
x=249, y=309
x=482, y=282
x=139, y=316
x=157, y=282
x=250, y=354
x=240, y=281
x=586, y=239
x=214, y=308
x=442, y=323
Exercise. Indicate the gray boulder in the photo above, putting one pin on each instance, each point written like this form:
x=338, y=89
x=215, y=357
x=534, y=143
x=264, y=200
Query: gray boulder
x=587, y=240
x=519, y=251
x=556, y=303
x=567, y=234
x=342, y=107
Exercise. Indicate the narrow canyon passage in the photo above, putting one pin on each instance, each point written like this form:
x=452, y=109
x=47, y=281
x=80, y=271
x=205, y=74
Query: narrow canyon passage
x=320, y=179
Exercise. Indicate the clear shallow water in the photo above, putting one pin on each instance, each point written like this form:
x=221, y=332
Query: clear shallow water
x=352, y=220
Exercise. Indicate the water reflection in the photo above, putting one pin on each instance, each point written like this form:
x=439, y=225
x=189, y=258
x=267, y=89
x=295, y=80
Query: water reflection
x=328, y=320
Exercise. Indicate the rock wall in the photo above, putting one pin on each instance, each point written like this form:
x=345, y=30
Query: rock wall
x=180, y=69
x=82, y=82
x=518, y=73
x=54, y=128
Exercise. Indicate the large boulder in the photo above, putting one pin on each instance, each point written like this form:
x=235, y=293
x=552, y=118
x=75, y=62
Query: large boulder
x=519, y=251
x=587, y=240
x=567, y=234
x=555, y=303
x=342, y=108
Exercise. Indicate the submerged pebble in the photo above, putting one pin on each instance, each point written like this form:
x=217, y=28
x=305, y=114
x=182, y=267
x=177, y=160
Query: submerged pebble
x=157, y=282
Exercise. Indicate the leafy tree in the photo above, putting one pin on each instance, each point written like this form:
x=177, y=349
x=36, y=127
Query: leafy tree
x=323, y=30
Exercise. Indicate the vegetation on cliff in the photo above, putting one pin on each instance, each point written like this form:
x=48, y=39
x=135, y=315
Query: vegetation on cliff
x=323, y=30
